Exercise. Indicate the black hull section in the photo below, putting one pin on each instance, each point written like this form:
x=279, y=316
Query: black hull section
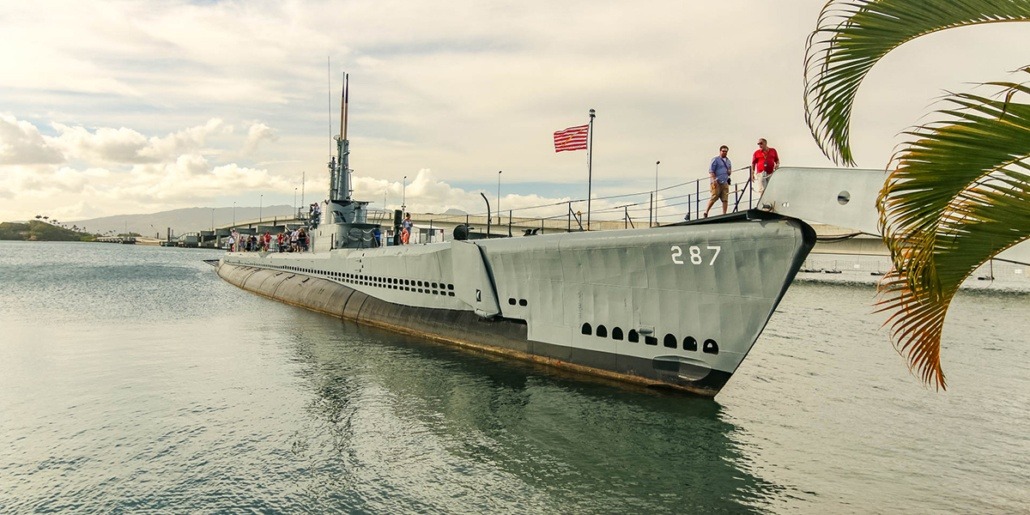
x=463, y=328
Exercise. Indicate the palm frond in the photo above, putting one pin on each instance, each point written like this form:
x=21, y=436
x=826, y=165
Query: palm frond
x=853, y=35
x=958, y=197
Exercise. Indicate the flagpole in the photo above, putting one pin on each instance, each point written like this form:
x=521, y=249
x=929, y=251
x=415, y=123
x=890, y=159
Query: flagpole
x=590, y=169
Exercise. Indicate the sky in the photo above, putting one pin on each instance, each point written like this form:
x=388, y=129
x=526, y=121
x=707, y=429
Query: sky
x=124, y=106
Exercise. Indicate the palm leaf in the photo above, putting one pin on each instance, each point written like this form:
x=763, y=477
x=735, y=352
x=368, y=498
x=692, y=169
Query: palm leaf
x=958, y=197
x=851, y=36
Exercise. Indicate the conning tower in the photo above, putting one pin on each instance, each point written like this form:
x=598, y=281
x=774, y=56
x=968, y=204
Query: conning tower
x=344, y=221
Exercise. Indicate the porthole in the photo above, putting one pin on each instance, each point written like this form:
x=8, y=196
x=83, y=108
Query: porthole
x=522, y=302
x=587, y=329
x=670, y=341
x=511, y=301
x=711, y=347
x=602, y=331
x=650, y=340
x=633, y=336
x=616, y=333
x=690, y=343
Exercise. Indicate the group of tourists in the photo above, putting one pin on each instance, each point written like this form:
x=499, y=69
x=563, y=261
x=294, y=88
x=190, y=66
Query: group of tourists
x=764, y=162
x=296, y=240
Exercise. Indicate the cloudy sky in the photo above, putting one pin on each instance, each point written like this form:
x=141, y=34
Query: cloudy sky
x=120, y=107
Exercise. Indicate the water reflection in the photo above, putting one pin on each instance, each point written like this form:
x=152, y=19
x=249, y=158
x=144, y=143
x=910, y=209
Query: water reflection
x=398, y=423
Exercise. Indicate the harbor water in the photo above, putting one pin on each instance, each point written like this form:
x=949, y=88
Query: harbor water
x=134, y=379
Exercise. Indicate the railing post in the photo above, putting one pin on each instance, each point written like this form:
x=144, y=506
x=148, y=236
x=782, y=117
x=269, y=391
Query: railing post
x=650, y=218
x=697, y=189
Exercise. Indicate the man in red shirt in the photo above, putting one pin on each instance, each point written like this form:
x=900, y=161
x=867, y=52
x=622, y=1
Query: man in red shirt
x=763, y=164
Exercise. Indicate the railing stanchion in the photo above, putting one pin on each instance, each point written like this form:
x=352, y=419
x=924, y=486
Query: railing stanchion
x=697, y=190
x=650, y=212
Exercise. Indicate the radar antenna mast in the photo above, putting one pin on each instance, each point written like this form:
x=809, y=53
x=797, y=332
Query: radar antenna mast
x=339, y=167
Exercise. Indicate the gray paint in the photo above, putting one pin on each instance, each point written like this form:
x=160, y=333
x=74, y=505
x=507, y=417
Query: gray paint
x=710, y=281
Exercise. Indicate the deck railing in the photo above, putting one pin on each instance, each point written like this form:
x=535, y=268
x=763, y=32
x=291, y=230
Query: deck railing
x=672, y=204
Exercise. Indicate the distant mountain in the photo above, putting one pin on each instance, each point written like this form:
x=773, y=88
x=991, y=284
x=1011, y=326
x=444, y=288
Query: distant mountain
x=180, y=221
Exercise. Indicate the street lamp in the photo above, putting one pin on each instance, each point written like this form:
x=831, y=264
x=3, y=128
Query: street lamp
x=234, y=214
x=261, y=206
x=404, y=187
x=656, y=163
x=499, y=197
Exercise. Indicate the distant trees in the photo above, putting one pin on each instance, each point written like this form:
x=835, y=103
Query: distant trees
x=35, y=230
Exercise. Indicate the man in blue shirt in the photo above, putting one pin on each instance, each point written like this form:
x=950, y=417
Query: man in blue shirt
x=719, y=174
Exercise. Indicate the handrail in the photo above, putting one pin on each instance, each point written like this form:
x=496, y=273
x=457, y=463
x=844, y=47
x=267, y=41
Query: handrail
x=683, y=202
x=672, y=204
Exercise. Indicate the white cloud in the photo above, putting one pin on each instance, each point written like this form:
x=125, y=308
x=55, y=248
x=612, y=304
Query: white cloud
x=127, y=146
x=257, y=134
x=22, y=144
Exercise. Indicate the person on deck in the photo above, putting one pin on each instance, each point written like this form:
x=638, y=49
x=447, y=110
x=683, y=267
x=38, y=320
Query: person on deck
x=406, y=229
x=763, y=164
x=719, y=175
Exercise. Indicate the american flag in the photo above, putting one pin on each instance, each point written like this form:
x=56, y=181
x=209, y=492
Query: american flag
x=573, y=138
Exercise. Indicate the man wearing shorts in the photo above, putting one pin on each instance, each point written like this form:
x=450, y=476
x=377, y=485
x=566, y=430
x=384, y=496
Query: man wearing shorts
x=763, y=164
x=719, y=175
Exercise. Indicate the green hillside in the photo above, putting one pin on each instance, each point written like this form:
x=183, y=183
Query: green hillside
x=35, y=230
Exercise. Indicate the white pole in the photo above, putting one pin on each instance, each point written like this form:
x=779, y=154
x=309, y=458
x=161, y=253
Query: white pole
x=590, y=169
x=656, y=163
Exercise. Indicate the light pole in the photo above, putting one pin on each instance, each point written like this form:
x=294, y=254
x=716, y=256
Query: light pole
x=499, y=197
x=234, y=214
x=404, y=187
x=261, y=206
x=295, y=201
x=656, y=163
